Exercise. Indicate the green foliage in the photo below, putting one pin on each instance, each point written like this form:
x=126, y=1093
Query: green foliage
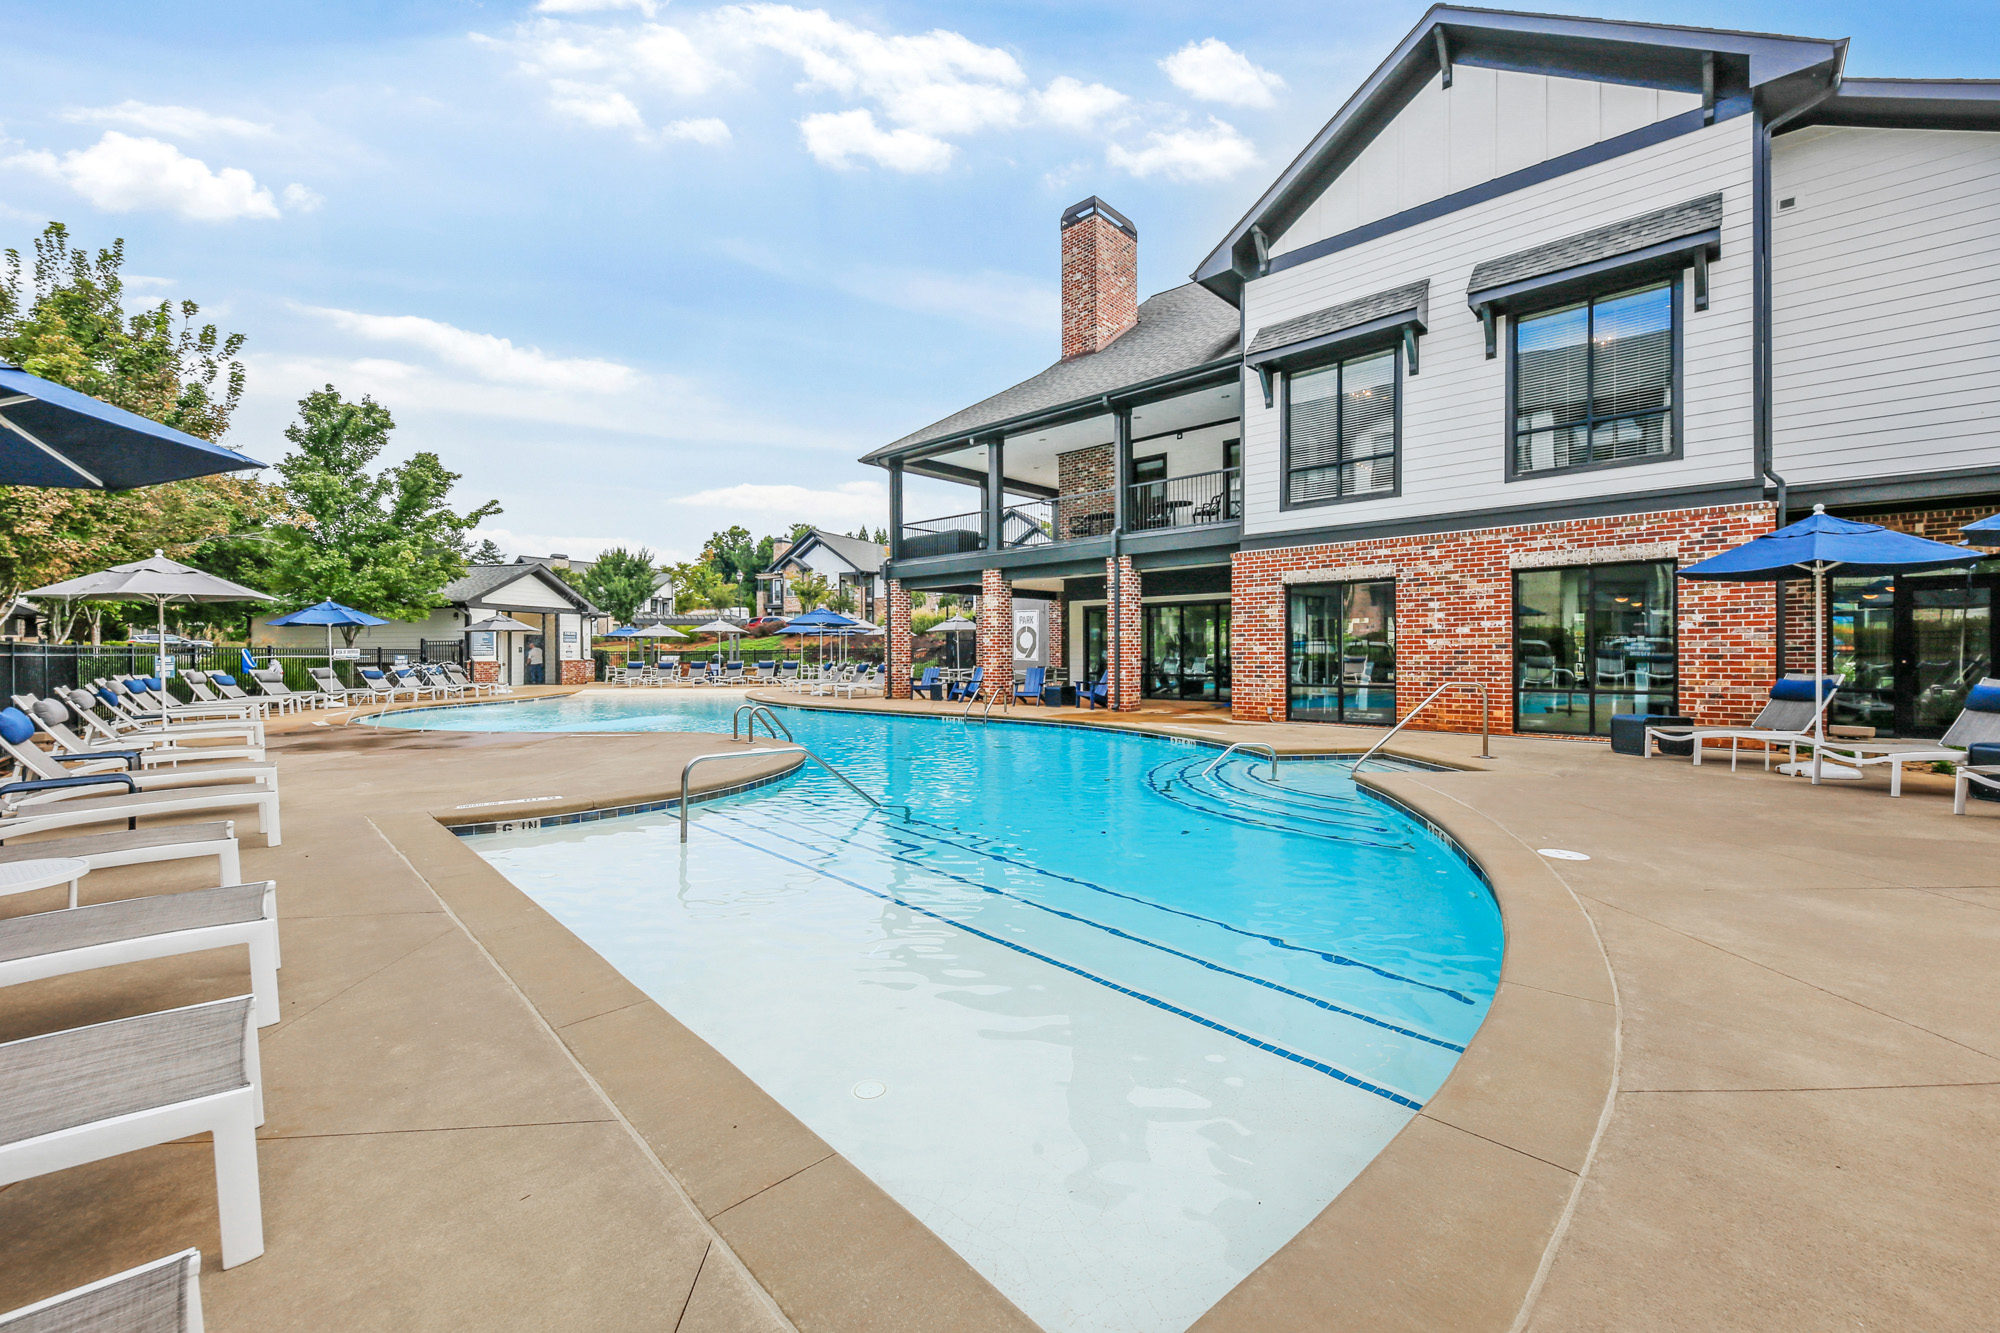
x=841, y=599
x=621, y=582
x=696, y=584
x=382, y=542
x=811, y=590
x=488, y=552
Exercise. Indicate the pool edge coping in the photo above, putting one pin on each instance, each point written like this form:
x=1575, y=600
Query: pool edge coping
x=1371, y=1253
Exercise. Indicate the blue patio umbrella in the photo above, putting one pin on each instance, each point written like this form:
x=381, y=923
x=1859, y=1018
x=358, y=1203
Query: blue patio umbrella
x=51, y=435
x=1818, y=545
x=624, y=632
x=1985, y=527
x=329, y=614
x=818, y=622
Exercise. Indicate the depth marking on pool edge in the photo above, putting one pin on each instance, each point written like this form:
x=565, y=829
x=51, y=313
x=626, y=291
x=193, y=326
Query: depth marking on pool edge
x=1248, y=1040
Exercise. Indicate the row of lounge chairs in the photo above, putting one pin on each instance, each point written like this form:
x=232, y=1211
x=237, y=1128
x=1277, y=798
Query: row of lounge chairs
x=834, y=678
x=1791, y=718
x=89, y=763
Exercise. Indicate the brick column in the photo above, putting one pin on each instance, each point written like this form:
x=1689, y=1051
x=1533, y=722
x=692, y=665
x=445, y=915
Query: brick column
x=1127, y=667
x=486, y=673
x=578, y=670
x=899, y=641
x=1058, y=613
x=1256, y=642
x=996, y=632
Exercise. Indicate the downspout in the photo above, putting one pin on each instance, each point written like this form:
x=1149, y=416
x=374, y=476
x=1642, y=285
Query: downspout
x=1761, y=313
x=1112, y=606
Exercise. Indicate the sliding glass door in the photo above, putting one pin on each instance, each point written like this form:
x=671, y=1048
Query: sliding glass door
x=1907, y=650
x=1187, y=651
x=1592, y=642
x=1341, y=652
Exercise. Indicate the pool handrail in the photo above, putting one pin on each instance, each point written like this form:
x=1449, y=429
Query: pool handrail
x=1485, y=723
x=794, y=748
x=770, y=720
x=1246, y=745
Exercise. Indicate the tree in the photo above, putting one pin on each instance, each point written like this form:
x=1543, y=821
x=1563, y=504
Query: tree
x=696, y=584
x=621, y=582
x=488, y=552
x=841, y=599
x=66, y=322
x=811, y=590
x=382, y=542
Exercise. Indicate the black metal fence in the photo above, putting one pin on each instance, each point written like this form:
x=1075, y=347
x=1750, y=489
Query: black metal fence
x=37, y=668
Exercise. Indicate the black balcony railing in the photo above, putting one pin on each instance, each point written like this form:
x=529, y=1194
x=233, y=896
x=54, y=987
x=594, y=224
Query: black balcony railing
x=1185, y=502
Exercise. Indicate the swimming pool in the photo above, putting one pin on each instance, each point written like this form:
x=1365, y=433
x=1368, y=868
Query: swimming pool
x=1113, y=1029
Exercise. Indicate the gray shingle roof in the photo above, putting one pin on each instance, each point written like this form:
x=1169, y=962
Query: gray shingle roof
x=1362, y=310
x=864, y=556
x=480, y=580
x=1667, y=224
x=1178, y=329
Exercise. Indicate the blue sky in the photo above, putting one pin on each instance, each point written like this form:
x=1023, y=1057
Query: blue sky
x=640, y=270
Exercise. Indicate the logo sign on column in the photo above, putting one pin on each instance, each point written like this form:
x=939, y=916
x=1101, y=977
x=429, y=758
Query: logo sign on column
x=1031, y=634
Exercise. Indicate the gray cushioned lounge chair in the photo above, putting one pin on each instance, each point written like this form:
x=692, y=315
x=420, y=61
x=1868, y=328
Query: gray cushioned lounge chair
x=1977, y=723
x=161, y=1297
x=132, y=847
x=1786, y=720
x=95, y=1092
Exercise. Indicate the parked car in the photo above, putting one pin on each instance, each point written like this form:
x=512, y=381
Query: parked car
x=175, y=643
x=763, y=625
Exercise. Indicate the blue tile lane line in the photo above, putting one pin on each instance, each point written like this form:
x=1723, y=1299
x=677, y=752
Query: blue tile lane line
x=1340, y=1074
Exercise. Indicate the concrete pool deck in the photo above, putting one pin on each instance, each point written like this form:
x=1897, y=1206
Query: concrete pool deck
x=1743, y=1072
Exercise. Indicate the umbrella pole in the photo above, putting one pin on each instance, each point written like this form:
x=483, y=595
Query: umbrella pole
x=160, y=645
x=1819, y=667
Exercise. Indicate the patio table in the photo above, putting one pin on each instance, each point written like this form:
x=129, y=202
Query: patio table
x=45, y=873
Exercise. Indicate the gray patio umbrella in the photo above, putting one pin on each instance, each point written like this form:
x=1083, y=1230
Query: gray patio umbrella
x=661, y=632
x=157, y=580
x=956, y=626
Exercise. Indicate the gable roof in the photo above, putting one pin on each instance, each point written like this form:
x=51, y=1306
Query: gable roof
x=865, y=556
x=1179, y=329
x=480, y=581
x=1783, y=72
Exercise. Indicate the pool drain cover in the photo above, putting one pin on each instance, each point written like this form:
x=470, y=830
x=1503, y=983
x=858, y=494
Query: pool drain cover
x=868, y=1089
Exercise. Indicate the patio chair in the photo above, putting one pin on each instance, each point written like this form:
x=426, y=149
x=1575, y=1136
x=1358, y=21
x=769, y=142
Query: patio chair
x=1033, y=680
x=17, y=733
x=788, y=674
x=853, y=679
x=1786, y=719
x=89, y=1093
x=441, y=685
x=457, y=675
x=923, y=686
x=163, y=1296
x=53, y=717
x=669, y=668
x=1095, y=696
x=160, y=925
x=270, y=682
x=108, y=728
x=168, y=842
x=330, y=689
x=1977, y=723
x=967, y=688
x=379, y=686
x=732, y=673
x=407, y=678
x=103, y=798
x=145, y=700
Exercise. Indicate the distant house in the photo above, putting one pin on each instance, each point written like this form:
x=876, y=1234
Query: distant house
x=530, y=591
x=844, y=562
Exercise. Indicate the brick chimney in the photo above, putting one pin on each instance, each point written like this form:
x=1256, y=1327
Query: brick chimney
x=1100, y=276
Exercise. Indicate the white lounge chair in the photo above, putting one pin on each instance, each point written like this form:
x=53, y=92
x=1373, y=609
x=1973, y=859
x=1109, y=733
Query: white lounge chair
x=54, y=717
x=1786, y=720
x=108, y=729
x=277, y=694
x=335, y=694
x=94, y=1092
x=458, y=676
x=379, y=686
x=1977, y=723
x=160, y=925
x=17, y=732
x=131, y=847
x=163, y=1296
x=147, y=696
x=122, y=706
x=108, y=798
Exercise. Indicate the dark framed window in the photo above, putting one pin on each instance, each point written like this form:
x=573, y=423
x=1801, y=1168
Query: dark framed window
x=1596, y=383
x=1340, y=658
x=1341, y=430
x=1593, y=641
x=1187, y=651
x=1153, y=467
x=1093, y=644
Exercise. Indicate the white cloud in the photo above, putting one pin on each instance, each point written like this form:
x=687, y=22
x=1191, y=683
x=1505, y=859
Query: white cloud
x=837, y=138
x=599, y=74
x=646, y=7
x=703, y=130
x=598, y=105
x=119, y=174
x=1076, y=105
x=300, y=199
x=851, y=502
x=1212, y=154
x=179, y=122
x=489, y=357
x=1214, y=72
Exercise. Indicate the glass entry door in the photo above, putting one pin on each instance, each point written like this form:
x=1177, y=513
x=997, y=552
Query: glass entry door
x=1093, y=644
x=1592, y=642
x=1341, y=652
x=1187, y=651
x=1906, y=650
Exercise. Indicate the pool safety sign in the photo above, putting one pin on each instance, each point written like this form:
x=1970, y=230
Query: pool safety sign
x=1031, y=634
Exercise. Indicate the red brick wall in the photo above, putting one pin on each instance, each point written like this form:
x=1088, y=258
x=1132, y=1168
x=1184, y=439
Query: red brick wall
x=486, y=672
x=1454, y=612
x=1058, y=628
x=1084, y=479
x=899, y=641
x=996, y=632
x=1128, y=667
x=578, y=671
x=1100, y=284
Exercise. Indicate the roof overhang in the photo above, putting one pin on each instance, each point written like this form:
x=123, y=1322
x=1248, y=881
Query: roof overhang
x=1778, y=70
x=1400, y=314
x=1911, y=104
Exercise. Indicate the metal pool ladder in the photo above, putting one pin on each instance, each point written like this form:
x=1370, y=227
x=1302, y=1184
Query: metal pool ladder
x=1245, y=745
x=794, y=748
x=1485, y=723
x=756, y=711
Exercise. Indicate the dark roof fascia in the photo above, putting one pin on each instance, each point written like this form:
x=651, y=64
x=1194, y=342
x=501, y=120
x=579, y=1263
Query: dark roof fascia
x=1415, y=314
x=1077, y=409
x=1651, y=55
x=515, y=573
x=1665, y=253
x=1909, y=104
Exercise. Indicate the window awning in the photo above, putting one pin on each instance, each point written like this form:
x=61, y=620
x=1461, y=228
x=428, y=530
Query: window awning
x=1663, y=241
x=1400, y=312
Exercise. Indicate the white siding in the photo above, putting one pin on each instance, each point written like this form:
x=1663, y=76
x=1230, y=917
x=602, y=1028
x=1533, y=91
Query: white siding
x=1454, y=429
x=526, y=591
x=1885, y=303
x=1488, y=123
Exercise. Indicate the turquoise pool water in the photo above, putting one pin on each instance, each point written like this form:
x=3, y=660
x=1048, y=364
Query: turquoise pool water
x=1113, y=1028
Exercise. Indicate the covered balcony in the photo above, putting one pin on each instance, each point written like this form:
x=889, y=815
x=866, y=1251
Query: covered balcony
x=1161, y=468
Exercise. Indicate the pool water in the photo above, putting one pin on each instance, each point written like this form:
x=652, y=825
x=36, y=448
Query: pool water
x=1113, y=1028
